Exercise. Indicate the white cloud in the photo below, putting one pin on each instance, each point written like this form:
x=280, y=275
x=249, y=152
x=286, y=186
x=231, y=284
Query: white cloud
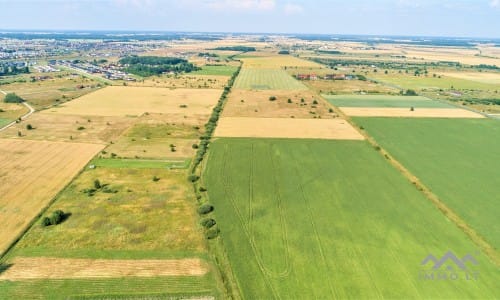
x=292, y=9
x=495, y=3
x=244, y=5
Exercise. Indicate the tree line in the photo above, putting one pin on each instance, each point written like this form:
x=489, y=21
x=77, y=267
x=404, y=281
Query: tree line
x=146, y=66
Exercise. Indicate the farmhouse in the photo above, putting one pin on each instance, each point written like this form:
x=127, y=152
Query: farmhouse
x=307, y=77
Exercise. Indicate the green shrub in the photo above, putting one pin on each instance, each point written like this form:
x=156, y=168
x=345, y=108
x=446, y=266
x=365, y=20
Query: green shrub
x=97, y=184
x=205, y=209
x=212, y=233
x=202, y=189
x=193, y=178
x=13, y=98
x=29, y=127
x=208, y=223
x=56, y=217
x=272, y=98
x=45, y=222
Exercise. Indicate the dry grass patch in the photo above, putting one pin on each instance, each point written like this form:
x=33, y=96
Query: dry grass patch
x=287, y=128
x=12, y=111
x=348, y=87
x=24, y=268
x=71, y=128
x=407, y=113
x=137, y=214
x=257, y=104
x=483, y=77
x=185, y=81
x=154, y=140
x=61, y=87
x=32, y=173
x=135, y=101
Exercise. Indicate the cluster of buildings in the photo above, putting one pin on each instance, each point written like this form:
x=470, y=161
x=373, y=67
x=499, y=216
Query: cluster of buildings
x=46, y=69
x=325, y=77
x=111, y=71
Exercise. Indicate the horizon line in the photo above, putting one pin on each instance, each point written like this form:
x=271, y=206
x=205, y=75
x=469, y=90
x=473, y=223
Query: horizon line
x=28, y=30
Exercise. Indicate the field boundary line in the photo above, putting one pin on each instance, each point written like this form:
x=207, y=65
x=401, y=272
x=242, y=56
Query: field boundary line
x=476, y=238
x=284, y=227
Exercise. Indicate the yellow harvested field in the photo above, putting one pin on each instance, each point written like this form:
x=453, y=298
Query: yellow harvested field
x=334, y=129
x=277, y=62
x=32, y=173
x=406, y=113
x=483, y=77
x=459, y=55
x=26, y=268
x=68, y=128
x=135, y=101
x=185, y=81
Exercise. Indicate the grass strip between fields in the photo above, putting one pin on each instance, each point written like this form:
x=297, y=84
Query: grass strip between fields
x=140, y=163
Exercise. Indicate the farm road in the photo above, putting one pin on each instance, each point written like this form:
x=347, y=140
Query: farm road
x=32, y=110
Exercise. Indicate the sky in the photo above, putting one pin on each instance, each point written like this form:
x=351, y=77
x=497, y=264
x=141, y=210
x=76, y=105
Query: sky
x=457, y=18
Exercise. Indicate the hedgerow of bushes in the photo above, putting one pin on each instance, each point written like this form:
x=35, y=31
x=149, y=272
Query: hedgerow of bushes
x=210, y=225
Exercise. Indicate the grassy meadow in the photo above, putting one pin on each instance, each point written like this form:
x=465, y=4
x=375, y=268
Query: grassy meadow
x=329, y=219
x=456, y=159
x=218, y=70
x=267, y=79
x=59, y=88
x=384, y=101
x=139, y=213
x=429, y=82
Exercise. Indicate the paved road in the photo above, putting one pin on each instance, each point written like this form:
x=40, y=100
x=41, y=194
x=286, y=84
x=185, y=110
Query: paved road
x=24, y=117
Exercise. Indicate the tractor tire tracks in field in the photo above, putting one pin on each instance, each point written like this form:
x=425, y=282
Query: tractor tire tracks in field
x=313, y=225
x=247, y=225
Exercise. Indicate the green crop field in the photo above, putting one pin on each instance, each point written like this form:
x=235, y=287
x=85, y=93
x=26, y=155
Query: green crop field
x=457, y=159
x=330, y=219
x=223, y=70
x=384, y=101
x=267, y=79
x=423, y=82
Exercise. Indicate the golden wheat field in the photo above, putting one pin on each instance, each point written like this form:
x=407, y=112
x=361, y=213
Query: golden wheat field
x=136, y=101
x=32, y=173
x=334, y=129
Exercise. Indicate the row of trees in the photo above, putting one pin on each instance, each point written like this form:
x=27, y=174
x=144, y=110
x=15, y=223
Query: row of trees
x=12, y=70
x=236, y=48
x=205, y=209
